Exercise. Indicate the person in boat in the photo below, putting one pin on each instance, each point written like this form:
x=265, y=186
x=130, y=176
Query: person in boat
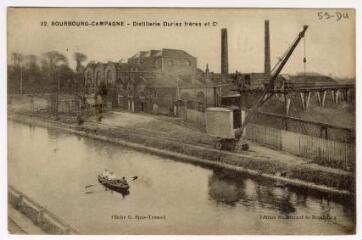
x=123, y=180
x=111, y=176
x=105, y=173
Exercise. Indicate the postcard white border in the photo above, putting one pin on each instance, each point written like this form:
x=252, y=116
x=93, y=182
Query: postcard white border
x=170, y=3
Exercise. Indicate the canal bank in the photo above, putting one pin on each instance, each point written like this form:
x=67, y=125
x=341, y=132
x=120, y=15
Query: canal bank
x=309, y=176
x=194, y=199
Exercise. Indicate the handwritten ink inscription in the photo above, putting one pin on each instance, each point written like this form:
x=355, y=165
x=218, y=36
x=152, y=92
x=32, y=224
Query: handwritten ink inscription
x=337, y=16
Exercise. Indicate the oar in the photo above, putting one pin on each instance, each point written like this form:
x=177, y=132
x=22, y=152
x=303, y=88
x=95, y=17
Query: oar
x=89, y=192
x=91, y=185
x=133, y=178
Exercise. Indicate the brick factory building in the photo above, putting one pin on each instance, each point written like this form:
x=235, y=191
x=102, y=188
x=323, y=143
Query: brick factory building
x=148, y=78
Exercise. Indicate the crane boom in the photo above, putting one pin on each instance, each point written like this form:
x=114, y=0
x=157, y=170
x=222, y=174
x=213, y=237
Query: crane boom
x=286, y=58
x=268, y=91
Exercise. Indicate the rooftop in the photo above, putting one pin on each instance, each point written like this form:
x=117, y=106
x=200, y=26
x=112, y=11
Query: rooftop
x=164, y=52
x=308, y=78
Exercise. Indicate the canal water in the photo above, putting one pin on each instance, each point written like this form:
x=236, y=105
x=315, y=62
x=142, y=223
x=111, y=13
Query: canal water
x=53, y=168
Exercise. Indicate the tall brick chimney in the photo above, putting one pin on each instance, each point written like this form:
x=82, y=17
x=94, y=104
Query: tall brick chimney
x=267, y=67
x=224, y=54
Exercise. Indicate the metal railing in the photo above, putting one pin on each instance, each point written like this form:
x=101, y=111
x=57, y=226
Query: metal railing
x=39, y=215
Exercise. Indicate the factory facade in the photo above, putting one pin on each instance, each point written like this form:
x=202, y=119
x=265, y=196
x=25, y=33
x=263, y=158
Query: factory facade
x=143, y=67
x=150, y=79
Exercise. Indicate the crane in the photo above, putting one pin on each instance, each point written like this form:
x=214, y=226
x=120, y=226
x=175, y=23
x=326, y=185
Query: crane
x=219, y=121
x=269, y=87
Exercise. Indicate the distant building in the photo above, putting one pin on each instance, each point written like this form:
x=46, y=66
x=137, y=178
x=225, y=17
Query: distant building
x=168, y=61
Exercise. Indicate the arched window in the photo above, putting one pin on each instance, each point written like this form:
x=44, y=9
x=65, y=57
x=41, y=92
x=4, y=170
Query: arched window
x=109, y=77
x=89, y=79
x=98, y=78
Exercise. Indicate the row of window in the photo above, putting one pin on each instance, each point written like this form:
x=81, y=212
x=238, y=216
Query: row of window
x=158, y=63
x=179, y=62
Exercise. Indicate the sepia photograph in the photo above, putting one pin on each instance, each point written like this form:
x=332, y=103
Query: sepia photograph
x=181, y=121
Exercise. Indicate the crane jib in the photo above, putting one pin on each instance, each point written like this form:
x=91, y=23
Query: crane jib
x=268, y=93
x=285, y=59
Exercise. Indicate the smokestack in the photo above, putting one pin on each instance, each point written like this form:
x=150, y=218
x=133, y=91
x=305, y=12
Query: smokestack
x=224, y=54
x=267, y=49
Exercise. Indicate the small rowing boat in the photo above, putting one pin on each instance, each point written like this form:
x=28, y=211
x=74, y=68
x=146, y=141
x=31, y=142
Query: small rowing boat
x=117, y=185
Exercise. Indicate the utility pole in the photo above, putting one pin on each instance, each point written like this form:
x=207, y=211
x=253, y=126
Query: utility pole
x=57, y=97
x=21, y=79
x=206, y=78
x=82, y=103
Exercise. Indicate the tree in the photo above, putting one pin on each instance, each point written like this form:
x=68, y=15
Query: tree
x=80, y=58
x=32, y=74
x=17, y=58
x=53, y=60
x=18, y=62
x=66, y=78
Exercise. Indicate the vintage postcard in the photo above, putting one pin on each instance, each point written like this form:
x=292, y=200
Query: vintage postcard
x=181, y=121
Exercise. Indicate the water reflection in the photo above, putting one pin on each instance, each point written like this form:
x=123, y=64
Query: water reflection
x=55, y=133
x=225, y=190
x=275, y=198
x=229, y=188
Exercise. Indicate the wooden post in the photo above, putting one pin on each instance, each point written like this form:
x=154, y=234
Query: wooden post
x=285, y=124
x=324, y=132
x=286, y=104
x=40, y=216
x=333, y=96
x=324, y=97
x=307, y=101
x=319, y=98
x=21, y=79
x=302, y=100
x=345, y=95
x=337, y=93
x=349, y=95
x=20, y=201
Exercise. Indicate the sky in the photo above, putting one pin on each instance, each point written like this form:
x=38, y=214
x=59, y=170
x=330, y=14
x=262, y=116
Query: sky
x=329, y=42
